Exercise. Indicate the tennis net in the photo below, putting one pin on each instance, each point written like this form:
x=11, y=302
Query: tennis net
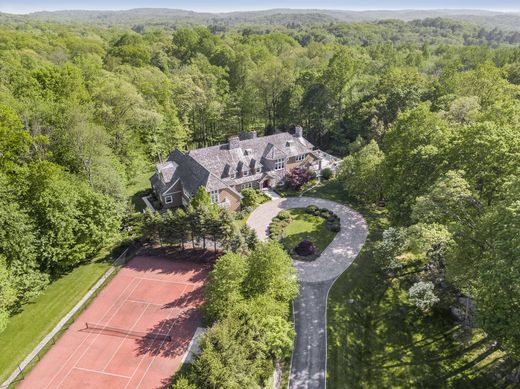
x=114, y=331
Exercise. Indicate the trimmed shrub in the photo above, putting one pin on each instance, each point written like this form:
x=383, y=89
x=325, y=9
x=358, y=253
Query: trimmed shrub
x=284, y=215
x=327, y=173
x=333, y=219
x=324, y=214
x=336, y=227
x=305, y=248
x=311, y=209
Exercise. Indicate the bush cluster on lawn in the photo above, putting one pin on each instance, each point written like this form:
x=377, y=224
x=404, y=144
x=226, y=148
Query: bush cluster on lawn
x=251, y=199
x=243, y=213
x=305, y=248
x=247, y=299
x=332, y=220
x=278, y=224
x=327, y=174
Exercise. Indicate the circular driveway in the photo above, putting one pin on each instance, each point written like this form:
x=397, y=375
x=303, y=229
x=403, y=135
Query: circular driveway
x=309, y=358
x=338, y=255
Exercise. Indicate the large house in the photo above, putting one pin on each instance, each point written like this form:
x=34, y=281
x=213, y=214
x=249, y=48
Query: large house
x=246, y=161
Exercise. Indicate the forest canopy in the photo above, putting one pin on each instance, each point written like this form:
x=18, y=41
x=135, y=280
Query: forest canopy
x=427, y=114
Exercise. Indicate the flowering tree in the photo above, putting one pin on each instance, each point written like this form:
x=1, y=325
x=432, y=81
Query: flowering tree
x=422, y=296
x=298, y=176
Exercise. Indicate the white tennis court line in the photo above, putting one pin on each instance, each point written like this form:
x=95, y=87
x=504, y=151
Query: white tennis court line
x=165, y=281
x=144, y=302
x=83, y=341
x=185, y=284
x=97, y=335
x=100, y=372
x=126, y=336
x=153, y=359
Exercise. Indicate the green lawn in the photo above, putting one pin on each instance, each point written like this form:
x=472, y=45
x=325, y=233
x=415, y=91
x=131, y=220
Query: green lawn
x=36, y=319
x=304, y=226
x=27, y=328
x=138, y=187
x=376, y=339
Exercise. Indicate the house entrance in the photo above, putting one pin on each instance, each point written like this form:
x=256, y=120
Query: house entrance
x=266, y=184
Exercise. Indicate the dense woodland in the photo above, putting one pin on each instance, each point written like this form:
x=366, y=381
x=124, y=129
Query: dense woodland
x=426, y=113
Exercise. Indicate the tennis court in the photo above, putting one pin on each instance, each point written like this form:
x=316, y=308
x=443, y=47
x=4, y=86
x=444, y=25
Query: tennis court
x=133, y=335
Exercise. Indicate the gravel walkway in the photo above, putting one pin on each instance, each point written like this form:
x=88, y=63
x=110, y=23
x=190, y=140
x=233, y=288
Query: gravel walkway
x=308, y=367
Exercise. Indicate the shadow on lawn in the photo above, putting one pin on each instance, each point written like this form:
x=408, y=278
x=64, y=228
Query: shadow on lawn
x=377, y=340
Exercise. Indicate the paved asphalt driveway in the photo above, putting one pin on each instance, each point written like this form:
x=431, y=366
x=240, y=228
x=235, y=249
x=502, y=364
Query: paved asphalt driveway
x=308, y=367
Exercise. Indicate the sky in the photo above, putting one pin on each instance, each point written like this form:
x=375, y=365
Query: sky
x=25, y=6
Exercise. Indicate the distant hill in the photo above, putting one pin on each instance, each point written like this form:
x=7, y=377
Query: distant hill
x=489, y=19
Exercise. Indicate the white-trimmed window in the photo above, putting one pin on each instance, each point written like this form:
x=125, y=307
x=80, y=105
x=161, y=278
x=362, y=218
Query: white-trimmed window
x=300, y=157
x=232, y=175
x=214, y=196
x=279, y=164
x=247, y=185
x=245, y=172
x=168, y=199
x=258, y=170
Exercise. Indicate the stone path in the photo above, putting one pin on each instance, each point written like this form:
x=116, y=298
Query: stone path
x=308, y=366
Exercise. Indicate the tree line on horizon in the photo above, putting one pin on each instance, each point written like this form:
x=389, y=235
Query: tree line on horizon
x=429, y=119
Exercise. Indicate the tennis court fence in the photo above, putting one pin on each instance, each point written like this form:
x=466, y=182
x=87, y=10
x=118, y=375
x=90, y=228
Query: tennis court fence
x=52, y=337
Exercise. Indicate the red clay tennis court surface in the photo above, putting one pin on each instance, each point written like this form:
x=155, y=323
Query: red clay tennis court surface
x=149, y=295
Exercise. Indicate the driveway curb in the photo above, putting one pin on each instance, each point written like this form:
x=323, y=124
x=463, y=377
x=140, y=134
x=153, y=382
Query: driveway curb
x=309, y=358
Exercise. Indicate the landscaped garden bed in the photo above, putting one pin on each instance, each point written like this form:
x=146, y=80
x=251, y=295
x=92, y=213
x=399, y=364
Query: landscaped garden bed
x=305, y=232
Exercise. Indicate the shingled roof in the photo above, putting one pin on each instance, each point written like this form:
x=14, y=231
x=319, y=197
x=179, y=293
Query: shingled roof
x=189, y=171
x=213, y=167
x=220, y=160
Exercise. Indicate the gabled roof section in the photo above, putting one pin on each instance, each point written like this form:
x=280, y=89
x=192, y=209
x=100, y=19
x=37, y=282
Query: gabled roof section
x=221, y=161
x=167, y=170
x=273, y=152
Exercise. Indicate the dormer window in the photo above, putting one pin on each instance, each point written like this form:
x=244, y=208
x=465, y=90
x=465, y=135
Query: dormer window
x=245, y=173
x=232, y=175
x=258, y=170
x=248, y=151
x=300, y=157
x=289, y=143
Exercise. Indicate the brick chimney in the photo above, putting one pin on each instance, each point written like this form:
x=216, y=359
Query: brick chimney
x=298, y=131
x=234, y=142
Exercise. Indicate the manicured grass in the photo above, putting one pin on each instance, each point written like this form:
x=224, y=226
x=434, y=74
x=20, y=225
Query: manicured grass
x=27, y=328
x=306, y=227
x=376, y=339
x=138, y=187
